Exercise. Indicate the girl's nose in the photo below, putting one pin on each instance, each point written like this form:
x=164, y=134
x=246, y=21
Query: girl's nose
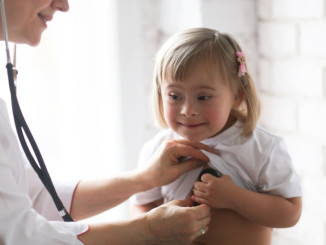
x=60, y=5
x=189, y=109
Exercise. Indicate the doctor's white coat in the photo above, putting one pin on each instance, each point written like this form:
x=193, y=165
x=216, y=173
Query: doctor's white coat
x=27, y=213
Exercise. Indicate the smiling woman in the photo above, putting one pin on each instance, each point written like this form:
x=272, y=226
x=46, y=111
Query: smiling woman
x=29, y=20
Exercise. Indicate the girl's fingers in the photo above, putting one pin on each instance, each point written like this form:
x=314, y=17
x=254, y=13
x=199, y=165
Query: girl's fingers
x=199, y=200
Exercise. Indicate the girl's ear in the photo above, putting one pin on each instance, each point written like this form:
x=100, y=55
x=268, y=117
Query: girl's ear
x=238, y=99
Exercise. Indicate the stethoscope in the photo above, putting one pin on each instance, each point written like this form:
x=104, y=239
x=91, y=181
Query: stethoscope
x=23, y=130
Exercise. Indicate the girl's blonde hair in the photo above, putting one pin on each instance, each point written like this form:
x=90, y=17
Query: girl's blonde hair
x=218, y=50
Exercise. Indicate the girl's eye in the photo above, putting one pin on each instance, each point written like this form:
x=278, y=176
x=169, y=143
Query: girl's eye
x=206, y=97
x=174, y=97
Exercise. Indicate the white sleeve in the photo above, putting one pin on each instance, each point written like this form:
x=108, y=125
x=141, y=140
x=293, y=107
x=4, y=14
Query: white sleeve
x=41, y=199
x=278, y=176
x=21, y=224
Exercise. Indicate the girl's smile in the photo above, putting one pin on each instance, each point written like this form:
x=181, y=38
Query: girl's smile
x=199, y=106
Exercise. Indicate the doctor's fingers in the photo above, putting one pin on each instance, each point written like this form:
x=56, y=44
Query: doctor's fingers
x=197, y=220
x=197, y=145
x=203, y=213
x=203, y=222
x=179, y=152
x=189, y=164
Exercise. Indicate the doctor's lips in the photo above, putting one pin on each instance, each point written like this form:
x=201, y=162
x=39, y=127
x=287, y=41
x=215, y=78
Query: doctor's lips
x=45, y=19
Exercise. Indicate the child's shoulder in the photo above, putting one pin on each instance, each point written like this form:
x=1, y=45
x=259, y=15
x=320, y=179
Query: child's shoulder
x=261, y=135
x=265, y=144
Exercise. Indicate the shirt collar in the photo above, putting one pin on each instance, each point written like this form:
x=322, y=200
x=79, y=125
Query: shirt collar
x=224, y=138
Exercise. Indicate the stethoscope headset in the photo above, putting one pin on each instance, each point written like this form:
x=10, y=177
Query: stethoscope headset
x=23, y=129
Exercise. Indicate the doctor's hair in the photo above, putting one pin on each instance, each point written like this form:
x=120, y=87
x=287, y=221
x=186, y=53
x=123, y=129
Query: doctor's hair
x=183, y=50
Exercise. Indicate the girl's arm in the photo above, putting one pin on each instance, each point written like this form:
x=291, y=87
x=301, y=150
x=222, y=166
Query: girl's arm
x=264, y=209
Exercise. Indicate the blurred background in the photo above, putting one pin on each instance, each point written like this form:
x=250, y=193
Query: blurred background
x=84, y=90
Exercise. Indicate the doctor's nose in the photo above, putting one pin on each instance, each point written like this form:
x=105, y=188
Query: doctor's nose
x=60, y=5
x=189, y=109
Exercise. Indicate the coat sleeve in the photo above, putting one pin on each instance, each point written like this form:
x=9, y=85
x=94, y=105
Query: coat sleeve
x=41, y=199
x=22, y=224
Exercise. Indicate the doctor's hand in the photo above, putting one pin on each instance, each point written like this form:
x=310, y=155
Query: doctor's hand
x=166, y=165
x=177, y=222
x=174, y=223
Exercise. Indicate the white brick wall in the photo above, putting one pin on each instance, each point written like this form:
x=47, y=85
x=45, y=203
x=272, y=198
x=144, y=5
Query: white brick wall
x=279, y=113
x=288, y=9
x=290, y=77
x=312, y=118
x=313, y=38
x=277, y=38
x=292, y=81
x=291, y=9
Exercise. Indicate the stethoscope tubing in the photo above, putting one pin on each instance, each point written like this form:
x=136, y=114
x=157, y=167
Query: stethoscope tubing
x=39, y=166
x=22, y=127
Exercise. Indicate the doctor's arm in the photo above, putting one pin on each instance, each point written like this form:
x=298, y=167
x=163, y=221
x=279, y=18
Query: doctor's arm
x=136, y=210
x=93, y=197
x=171, y=223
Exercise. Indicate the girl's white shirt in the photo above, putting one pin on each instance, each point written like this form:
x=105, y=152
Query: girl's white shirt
x=27, y=213
x=259, y=163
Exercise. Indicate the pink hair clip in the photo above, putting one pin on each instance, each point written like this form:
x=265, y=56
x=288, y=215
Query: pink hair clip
x=242, y=60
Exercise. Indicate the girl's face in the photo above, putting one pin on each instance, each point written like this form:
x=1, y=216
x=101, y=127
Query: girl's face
x=27, y=19
x=198, y=107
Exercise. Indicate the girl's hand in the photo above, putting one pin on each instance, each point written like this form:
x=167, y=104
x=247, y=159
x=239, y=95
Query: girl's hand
x=215, y=192
x=166, y=165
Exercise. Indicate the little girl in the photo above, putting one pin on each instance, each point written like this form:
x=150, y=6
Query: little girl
x=204, y=93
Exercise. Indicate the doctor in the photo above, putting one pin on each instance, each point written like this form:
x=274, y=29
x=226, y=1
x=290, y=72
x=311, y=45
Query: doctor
x=27, y=214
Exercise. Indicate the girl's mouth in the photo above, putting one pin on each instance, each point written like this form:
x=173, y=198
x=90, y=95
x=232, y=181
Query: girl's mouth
x=191, y=125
